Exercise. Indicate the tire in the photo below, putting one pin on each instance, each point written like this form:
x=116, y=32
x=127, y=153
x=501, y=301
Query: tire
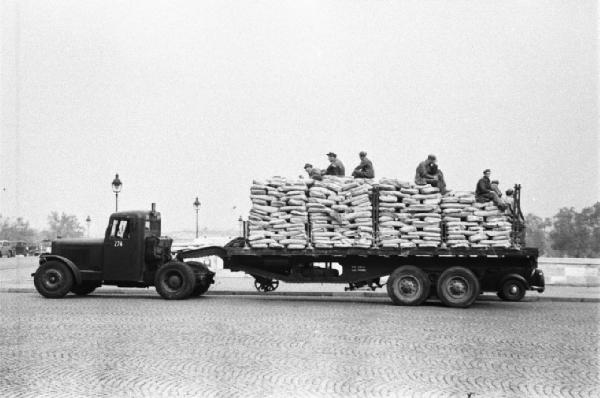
x=201, y=286
x=84, y=289
x=408, y=285
x=175, y=281
x=200, y=289
x=53, y=279
x=512, y=290
x=458, y=287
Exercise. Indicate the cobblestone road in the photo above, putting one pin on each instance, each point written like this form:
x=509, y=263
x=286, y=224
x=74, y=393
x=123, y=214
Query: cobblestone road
x=242, y=346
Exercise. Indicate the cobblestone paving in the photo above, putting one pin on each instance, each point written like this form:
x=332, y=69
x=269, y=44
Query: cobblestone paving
x=242, y=346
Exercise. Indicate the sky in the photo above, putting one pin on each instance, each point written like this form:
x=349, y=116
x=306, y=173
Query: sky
x=198, y=98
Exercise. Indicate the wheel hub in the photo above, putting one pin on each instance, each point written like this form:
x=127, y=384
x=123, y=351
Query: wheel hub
x=513, y=290
x=52, y=279
x=457, y=287
x=174, y=281
x=408, y=286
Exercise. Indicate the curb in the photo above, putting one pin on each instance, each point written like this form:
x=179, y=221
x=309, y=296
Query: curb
x=365, y=294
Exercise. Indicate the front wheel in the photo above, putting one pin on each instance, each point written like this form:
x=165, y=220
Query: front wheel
x=458, y=287
x=53, y=279
x=408, y=285
x=512, y=290
x=175, y=281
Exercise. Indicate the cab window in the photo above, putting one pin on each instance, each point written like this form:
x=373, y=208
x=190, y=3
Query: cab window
x=120, y=229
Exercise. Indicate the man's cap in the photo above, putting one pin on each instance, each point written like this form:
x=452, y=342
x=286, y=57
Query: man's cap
x=509, y=191
x=332, y=154
x=431, y=157
x=307, y=165
x=362, y=153
x=487, y=171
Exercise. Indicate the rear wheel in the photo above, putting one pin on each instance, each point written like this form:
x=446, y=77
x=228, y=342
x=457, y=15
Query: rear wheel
x=202, y=284
x=458, y=287
x=53, y=279
x=200, y=289
x=175, y=281
x=512, y=290
x=84, y=289
x=408, y=285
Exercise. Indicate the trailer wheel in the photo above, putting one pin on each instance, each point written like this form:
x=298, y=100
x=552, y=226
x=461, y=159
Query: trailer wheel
x=408, y=285
x=84, y=289
x=512, y=290
x=265, y=285
x=175, y=281
x=458, y=287
x=53, y=279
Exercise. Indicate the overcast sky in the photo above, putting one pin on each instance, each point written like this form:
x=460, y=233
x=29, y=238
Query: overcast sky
x=198, y=98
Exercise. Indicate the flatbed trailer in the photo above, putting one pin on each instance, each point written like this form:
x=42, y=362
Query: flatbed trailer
x=457, y=276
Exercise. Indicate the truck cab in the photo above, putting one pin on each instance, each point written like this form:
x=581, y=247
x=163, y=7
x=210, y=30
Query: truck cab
x=132, y=254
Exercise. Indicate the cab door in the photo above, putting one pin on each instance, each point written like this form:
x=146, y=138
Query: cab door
x=121, y=260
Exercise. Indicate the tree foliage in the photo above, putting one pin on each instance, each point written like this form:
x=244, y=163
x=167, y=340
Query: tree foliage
x=17, y=230
x=577, y=234
x=64, y=226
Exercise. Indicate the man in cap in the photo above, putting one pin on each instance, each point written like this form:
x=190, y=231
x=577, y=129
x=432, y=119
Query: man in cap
x=365, y=168
x=313, y=172
x=429, y=173
x=336, y=167
x=484, y=191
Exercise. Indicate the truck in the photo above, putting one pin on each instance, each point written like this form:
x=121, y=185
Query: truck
x=134, y=254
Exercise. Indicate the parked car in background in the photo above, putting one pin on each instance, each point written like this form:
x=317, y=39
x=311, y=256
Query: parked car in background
x=20, y=248
x=6, y=249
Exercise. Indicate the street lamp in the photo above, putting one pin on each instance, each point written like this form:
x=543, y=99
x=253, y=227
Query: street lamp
x=116, y=187
x=197, y=207
x=241, y=222
x=88, y=221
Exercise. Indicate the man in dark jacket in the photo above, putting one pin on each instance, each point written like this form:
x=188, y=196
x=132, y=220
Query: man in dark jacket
x=429, y=173
x=313, y=172
x=365, y=168
x=336, y=167
x=484, y=191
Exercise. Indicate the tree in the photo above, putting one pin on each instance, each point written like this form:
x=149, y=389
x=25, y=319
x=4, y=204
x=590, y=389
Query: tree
x=536, y=232
x=64, y=226
x=18, y=230
x=577, y=234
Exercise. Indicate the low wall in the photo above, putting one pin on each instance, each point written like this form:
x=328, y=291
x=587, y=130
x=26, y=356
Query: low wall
x=571, y=271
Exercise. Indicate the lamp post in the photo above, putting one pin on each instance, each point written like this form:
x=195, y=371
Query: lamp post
x=116, y=187
x=197, y=207
x=241, y=222
x=88, y=221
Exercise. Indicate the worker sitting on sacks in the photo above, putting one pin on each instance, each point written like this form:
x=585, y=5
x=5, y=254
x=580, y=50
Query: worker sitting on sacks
x=509, y=201
x=336, y=167
x=365, y=168
x=429, y=173
x=313, y=172
x=484, y=191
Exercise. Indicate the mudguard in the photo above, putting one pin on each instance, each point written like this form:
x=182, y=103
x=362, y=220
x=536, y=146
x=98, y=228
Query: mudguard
x=69, y=263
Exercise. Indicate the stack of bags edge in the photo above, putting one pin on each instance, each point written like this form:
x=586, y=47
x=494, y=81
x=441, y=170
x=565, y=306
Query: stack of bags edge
x=278, y=216
x=422, y=207
x=392, y=218
x=472, y=224
x=340, y=213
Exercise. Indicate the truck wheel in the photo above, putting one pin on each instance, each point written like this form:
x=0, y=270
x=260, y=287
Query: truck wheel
x=408, y=285
x=53, y=279
x=512, y=290
x=200, y=289
x=84, y=289
x=175, y=281
x=458, y=287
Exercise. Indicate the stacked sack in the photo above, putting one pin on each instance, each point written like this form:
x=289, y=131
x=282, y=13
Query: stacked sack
x=463, y=227
x=340, y=213
x=392, y=218
x=471, y=224
x=422, y=207
x=279, y=214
